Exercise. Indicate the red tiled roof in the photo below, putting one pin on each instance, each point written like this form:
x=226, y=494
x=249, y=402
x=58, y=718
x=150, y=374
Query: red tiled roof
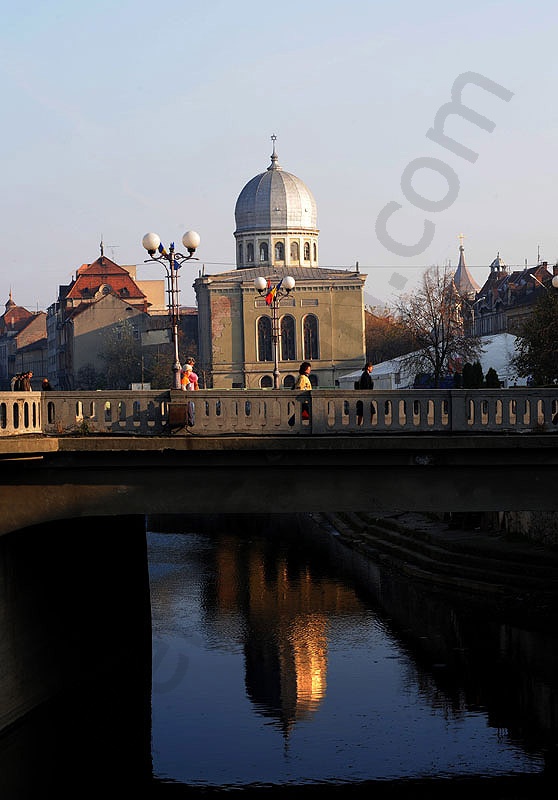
x=15, y=319
x=104, y=272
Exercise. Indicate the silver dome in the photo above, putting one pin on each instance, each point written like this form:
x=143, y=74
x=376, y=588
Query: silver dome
x=275, y=200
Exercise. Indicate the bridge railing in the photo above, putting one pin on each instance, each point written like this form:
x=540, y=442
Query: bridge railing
x=213, y=412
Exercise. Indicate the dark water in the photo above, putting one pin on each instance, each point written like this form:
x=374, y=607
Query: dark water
x=278, y=663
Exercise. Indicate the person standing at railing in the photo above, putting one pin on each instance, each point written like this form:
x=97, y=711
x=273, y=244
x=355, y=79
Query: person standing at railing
x=302, y=384
x=26, y=384
x=365, y=382
x=191, y=387
x=185, y=377
x=45, y=386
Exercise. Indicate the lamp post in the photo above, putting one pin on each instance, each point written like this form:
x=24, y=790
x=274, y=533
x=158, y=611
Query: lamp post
x=172, y=261
x=273, y=296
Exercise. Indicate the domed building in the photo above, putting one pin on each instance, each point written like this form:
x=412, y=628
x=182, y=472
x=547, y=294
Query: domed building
x=276, y=216
x=320, y=320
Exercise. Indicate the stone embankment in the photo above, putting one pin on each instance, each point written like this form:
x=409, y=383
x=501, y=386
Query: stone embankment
x=482, y=564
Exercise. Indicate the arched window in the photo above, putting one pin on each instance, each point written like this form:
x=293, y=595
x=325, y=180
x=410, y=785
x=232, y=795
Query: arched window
x=315, y=251
x=250, y=252
x=266, y=382
x=295, y=252
x=288, y=338
x=264, y=339
x=307, y=251
x=310, y=337
x=240, y=254
x=289, y=381
x=279, y=251
x=264, y=251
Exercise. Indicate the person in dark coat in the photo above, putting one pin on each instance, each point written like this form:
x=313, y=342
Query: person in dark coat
x=46, y=387
x=365, y=382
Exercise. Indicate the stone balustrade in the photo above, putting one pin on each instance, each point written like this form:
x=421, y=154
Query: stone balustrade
x=212, y=412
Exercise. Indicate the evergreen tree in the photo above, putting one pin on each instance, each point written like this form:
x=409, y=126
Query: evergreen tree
x=491, y=380
x=467, y=376
x=477, y=375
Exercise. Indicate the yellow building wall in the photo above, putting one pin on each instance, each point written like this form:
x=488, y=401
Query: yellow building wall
x=227, y=320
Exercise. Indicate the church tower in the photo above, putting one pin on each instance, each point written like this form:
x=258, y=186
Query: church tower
x=466, y=285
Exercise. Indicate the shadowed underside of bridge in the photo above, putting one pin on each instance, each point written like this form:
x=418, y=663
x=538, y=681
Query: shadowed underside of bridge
x=45, y=479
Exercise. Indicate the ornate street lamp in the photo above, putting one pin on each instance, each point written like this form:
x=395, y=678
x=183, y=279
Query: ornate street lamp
x=172, y=262
x=273, y=296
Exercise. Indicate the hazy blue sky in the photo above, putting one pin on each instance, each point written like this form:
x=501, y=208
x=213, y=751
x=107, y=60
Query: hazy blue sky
x=123, y=116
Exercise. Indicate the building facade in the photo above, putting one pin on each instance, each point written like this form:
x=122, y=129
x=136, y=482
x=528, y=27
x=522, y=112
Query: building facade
x=321, y=320
x=102, y=300
x=505, y=300
x=23, y=343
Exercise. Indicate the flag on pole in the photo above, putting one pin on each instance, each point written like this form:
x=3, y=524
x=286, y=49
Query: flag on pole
x=269, y=295
x=271, y=292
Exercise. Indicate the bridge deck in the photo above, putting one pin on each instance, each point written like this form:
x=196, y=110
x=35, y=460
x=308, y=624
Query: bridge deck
x=48, y=478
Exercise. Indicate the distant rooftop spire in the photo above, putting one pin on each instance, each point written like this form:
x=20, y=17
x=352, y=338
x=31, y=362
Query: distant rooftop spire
x=274, y=157
x=464, y=282
x=498, y=265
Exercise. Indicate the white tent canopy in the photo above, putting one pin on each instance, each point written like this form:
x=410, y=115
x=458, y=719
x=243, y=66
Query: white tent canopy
x=497, y=353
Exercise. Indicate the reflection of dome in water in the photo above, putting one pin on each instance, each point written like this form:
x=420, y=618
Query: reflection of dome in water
x=287, y=610
x=286, y=674
x=275, y=200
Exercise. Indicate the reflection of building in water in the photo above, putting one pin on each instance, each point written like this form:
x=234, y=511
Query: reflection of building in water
x=286, y=610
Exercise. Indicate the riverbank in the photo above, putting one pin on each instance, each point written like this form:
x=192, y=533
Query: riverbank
x=509, y=571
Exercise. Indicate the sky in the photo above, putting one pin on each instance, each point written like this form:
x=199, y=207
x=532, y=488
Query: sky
x=123, y=117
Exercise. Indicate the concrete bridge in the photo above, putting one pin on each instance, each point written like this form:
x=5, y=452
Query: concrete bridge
x=78, y=454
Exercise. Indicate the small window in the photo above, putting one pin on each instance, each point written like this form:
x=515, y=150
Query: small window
x=264, y=251
x=250, y=252
x=307, y=251
x=279, y=251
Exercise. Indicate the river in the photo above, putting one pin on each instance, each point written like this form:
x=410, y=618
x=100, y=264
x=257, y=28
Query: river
x=281, y=661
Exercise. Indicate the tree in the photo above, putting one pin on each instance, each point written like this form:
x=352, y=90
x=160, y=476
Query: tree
x=88, y=378
x=537, y=342
x=431, y=316
x=386, y=338
x=158, y=369
x=122, y=356
x=473, y=376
